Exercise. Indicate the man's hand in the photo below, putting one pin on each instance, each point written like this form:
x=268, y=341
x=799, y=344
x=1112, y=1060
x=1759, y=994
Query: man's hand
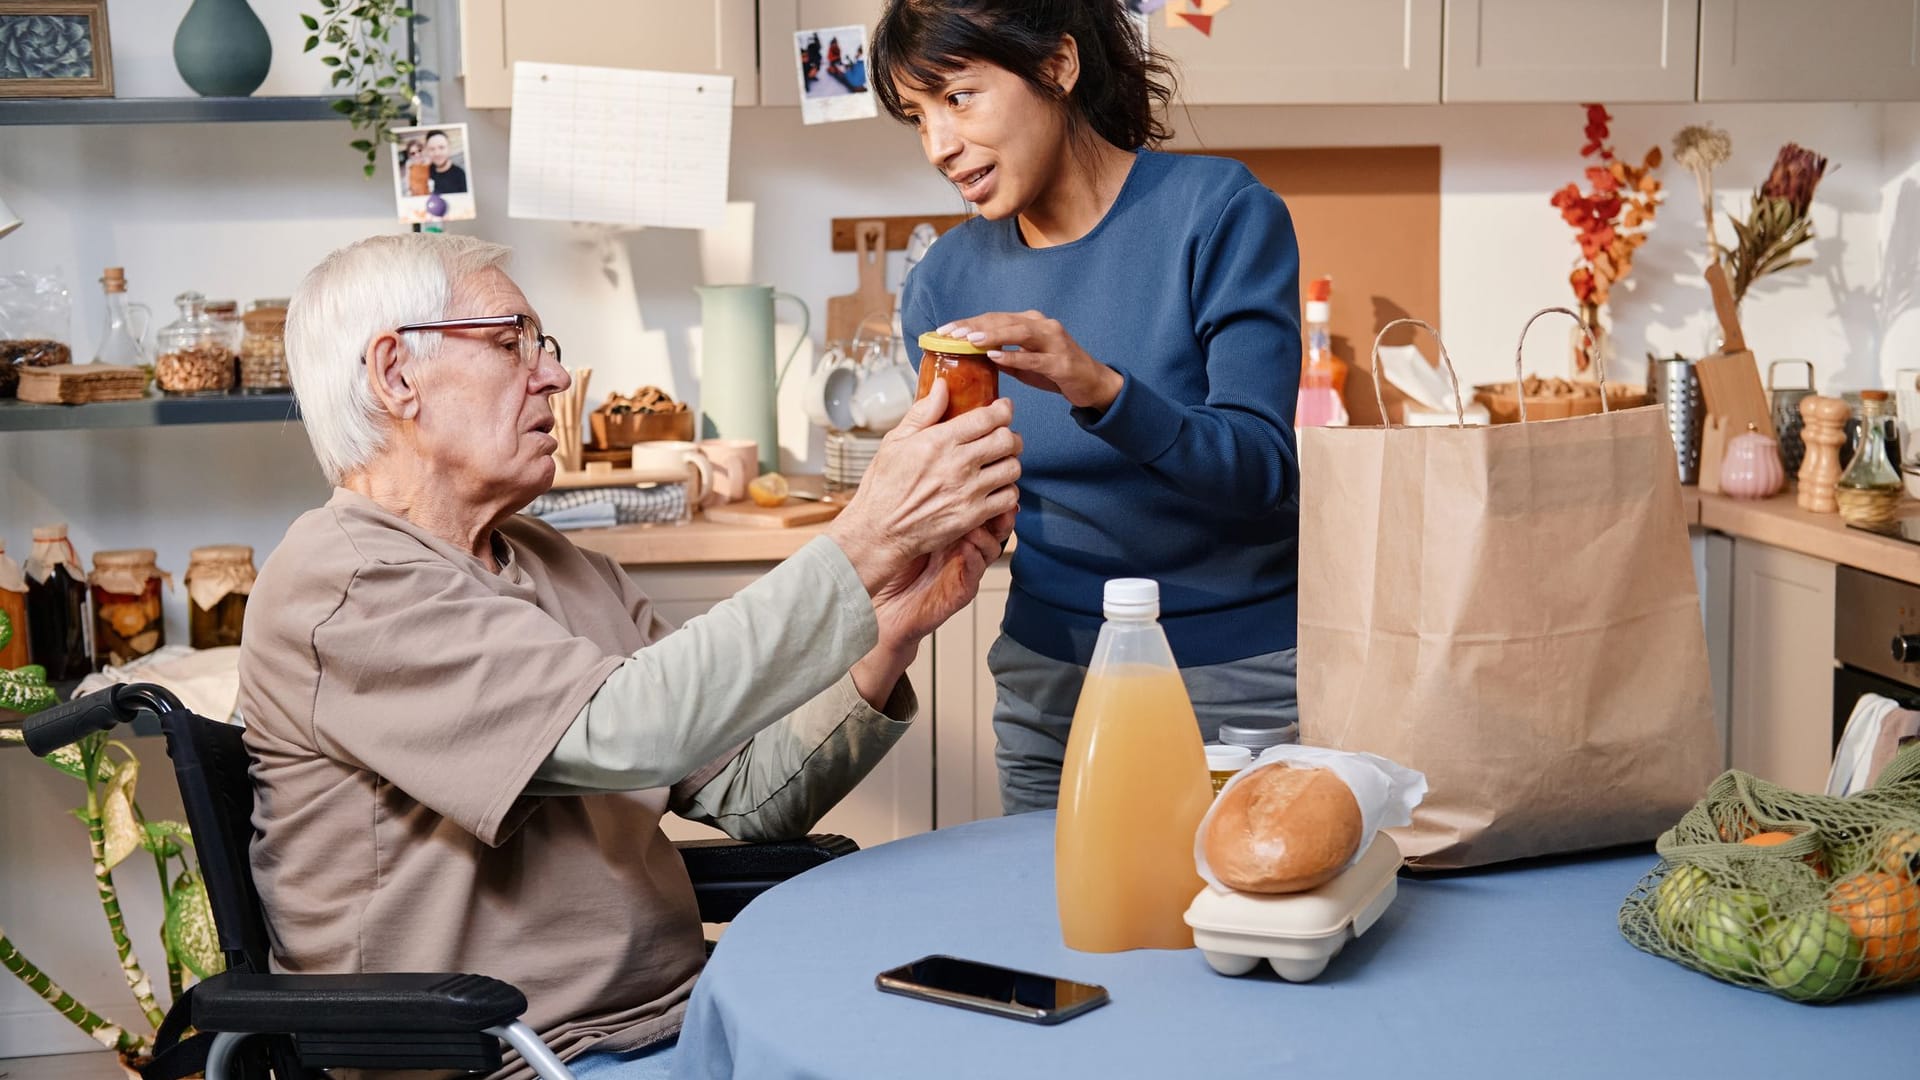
x=925, y=594
x=1043, y=355
x=929, y=485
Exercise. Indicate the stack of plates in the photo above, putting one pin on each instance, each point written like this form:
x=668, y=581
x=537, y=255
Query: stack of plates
x=848, y=455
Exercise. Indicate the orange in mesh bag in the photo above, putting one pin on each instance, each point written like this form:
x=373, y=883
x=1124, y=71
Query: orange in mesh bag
x=1811, y=897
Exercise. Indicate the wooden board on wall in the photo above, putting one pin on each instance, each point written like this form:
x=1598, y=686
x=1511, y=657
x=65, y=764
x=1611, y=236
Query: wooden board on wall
x=1369, y=216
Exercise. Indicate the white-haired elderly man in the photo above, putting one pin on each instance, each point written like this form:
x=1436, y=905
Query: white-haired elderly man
x=466, y=729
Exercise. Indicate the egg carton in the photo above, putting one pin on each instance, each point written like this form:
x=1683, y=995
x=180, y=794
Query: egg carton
x=1297, y=933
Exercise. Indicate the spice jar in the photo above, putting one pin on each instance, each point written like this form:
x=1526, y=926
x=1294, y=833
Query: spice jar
x=13, y=604
x=218, y=581
x=1224, y=761
x=972, y=380
x=195, y=351
x=263, y=349
x=1257, y=734
x=59, y=625
x=126, y=606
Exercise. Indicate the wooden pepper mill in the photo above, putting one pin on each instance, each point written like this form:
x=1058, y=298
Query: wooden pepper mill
x=1825, y=433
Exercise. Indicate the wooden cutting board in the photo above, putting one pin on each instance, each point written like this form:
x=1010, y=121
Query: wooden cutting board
x=793, y=512
x=871, y=301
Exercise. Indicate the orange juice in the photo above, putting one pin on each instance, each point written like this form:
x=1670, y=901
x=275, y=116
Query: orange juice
x=1133, y=790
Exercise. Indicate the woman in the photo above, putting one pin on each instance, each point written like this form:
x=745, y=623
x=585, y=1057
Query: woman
x=466, y=730
x=1146, y=306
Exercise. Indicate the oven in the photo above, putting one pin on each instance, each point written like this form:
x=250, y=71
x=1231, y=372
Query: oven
x=1876, y=642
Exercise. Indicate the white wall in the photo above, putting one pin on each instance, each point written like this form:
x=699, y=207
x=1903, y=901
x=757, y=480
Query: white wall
x=243, y=210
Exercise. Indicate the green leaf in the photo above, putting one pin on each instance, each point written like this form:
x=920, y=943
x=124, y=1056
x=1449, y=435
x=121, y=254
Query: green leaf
x=165, y=837
x=313, y=42
x=403, y=13
x=189, y=930
x=310, y=22
x=343, y=107
x=361, y=144
x=369, y=169
x=384, y=82
x=330, y=61
x=69, y=760
x=341, y=76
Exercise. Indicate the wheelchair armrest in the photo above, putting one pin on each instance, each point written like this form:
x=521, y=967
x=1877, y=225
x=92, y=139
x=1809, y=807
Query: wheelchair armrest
x=728, y=873
x=402, y=1003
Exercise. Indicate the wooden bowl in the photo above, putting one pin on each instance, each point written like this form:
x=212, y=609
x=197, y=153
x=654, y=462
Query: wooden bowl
x=612, y=431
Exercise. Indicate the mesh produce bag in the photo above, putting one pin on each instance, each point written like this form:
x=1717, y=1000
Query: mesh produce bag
x=1811, y=897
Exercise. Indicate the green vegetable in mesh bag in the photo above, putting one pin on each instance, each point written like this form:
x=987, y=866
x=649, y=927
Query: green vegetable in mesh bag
x=1809, y=897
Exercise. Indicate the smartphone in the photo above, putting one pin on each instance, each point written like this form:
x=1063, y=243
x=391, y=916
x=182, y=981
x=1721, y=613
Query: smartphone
x=989, y=988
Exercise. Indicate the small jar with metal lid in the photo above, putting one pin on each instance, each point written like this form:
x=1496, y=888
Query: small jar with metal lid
x=126, y=605
x=972, y=380
x=1224, y=761
x=1256, y=734
x=263, y=349
x=219, y=578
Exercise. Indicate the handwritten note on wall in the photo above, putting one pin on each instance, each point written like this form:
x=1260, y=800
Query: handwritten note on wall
x=620, y=147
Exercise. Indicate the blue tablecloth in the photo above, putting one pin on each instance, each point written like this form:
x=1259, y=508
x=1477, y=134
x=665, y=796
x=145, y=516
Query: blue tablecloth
x=1515, y=972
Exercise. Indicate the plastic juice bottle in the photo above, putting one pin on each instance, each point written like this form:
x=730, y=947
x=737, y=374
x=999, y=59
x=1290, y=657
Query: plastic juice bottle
x=1323, y=377
x=1134, y=788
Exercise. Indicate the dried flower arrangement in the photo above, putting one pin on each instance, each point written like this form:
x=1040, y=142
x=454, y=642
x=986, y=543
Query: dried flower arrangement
x=1778, y=217
x=1610, y=220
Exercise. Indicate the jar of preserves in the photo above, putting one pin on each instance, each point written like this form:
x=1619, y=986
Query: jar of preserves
x=218, y=581
x=126, y=606
x=972, y=380
x=59, y=627
x=195, y=351
x=263, y=349
x=14, y=652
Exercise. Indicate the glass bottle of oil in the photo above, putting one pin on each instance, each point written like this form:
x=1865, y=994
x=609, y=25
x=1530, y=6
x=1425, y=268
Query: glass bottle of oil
x=1869, y=491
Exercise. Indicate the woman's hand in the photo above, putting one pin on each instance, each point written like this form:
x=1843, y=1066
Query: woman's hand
x=1043, y=356
x=929, y=485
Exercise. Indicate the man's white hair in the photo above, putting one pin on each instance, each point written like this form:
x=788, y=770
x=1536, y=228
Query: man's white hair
x=354, y=294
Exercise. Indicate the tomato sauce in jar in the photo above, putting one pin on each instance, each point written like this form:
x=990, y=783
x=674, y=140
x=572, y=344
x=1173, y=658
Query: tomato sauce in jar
x=972, y=380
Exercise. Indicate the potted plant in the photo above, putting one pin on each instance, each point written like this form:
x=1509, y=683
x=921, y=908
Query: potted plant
x=377, y=77
x=116, y=830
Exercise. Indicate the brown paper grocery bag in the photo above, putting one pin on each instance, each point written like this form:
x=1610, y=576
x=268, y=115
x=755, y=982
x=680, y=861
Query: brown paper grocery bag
x=1512, y=611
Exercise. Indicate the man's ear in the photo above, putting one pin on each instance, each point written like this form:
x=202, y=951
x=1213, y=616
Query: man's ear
x=391, y=374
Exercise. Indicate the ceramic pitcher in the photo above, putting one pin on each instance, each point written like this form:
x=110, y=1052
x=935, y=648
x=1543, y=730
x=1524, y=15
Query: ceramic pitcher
x=738, y=383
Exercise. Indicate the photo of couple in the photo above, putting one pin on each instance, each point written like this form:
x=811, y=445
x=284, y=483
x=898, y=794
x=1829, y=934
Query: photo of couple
x=832, y=63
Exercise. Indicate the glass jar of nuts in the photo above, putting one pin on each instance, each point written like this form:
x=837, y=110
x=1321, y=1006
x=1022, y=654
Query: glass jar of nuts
x=194, y=352
x=263, y=349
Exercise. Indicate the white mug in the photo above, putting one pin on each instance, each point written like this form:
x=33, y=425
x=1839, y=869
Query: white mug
x=883, y=396
x=829, y=395
x=677, y=456
x=735, y=464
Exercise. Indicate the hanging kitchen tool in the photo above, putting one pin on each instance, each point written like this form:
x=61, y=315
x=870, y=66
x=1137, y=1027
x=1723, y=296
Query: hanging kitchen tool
x=1787, y=424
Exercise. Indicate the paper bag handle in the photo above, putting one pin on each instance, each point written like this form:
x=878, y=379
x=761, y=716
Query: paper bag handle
x=1519, y=370
x=1380, y=398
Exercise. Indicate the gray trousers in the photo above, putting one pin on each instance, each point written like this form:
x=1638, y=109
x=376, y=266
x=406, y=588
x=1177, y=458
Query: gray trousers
x=1036, y=695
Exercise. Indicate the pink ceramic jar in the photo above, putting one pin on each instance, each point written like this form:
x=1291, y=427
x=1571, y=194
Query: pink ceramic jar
x=1751, y=468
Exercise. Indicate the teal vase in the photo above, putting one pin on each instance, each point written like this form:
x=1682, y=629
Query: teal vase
x=222, y=49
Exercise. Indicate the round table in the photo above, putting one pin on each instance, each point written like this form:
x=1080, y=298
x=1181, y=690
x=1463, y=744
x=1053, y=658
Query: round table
x=1509, y=972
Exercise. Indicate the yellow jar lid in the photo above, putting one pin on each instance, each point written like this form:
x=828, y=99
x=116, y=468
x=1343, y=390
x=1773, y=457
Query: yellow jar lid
x=956, y=346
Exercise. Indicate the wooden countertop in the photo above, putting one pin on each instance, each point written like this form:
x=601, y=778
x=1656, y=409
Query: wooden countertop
x=1780, y=522
x=699, y=541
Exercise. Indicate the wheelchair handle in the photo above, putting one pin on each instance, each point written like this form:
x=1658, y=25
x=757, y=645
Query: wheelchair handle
x=101, y=710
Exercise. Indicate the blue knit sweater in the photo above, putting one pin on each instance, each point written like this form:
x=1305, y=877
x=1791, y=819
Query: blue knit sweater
x=1189, y=287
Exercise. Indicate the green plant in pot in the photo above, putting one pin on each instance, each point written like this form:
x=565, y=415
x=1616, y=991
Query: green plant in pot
x=116, y=831
x=375, y=74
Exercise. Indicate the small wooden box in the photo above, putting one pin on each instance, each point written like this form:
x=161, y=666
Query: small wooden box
x=612, y=431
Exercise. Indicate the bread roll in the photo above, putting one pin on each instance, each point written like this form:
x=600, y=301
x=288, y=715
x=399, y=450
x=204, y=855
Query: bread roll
x=1283, y=829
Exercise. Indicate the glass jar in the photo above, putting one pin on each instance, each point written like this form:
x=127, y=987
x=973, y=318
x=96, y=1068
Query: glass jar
x=1869, y=491
x=1224, y=761
x=227, y=314
x=263, y=349
x=13, y=604
x=59, y=625
x=1256, y=734
x=218, y=581
x=972, y=380
x=195, y=351
x=126, y=606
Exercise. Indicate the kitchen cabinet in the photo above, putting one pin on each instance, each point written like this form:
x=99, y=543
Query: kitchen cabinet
x=1792, y=50
x=781, y=19
x=1782, y=665
x=1570, y=50
x=896, y=798
x=705, y=37
x=967, y=782
x=1307, y=52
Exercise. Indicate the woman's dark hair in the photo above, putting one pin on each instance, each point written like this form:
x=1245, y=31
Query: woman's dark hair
x=1123, y=86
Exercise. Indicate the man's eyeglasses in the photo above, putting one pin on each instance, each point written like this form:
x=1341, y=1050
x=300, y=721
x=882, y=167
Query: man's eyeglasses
x=531, y=341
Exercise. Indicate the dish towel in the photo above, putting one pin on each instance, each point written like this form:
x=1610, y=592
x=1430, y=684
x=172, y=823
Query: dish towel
x=590, y=508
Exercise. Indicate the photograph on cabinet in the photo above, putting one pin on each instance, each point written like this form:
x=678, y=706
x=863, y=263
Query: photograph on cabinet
x=831, y=63
x=433, y=174
x=54, y=48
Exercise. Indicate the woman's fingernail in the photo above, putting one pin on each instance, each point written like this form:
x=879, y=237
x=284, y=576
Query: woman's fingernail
x=977, y=338
x=944, y=330
x=994, y=354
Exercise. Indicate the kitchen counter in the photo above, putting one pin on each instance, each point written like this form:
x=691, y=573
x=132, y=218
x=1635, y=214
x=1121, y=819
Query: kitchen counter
x=1779, y=522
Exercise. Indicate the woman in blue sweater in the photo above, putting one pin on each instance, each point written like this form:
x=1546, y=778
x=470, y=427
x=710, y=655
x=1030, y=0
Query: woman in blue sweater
x=1146, y=307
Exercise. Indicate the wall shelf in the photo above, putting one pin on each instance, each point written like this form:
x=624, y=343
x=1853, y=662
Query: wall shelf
x=173, y=110
x=151, y=411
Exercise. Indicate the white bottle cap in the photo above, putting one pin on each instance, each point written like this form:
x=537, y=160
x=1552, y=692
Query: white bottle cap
x=1319, y=311
x=1222, y=758
x=1132, y=598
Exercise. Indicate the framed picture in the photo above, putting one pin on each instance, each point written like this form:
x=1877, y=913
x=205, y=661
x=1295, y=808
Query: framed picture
x=54, y=48
x=832, y=65
x=433, y=174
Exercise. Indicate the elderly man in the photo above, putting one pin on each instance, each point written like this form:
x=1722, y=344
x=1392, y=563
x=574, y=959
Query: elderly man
x=466, y=730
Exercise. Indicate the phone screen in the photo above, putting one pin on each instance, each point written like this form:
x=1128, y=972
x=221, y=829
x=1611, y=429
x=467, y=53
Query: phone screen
x=1023, y=995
